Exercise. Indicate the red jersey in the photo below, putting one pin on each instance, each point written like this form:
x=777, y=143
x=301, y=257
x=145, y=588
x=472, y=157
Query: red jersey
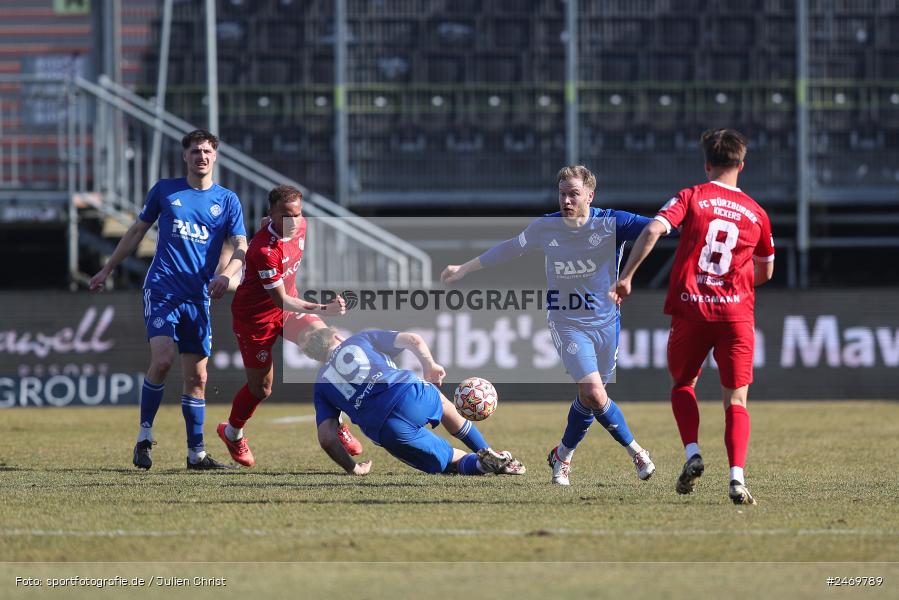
x=271, y=261
x=722, y=232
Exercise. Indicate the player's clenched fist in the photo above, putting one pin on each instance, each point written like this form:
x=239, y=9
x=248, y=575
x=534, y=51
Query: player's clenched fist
x=620, y=290
x=98, y=281
x=336, y=307
x=452, y=273
x=434, y=373
x=218, y=286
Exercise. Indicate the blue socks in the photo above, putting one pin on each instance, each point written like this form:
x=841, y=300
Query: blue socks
x=194, y=411
x=471, y=437
x=468, y=465
x=150, y=399
x=579, y=420
x=613, y=420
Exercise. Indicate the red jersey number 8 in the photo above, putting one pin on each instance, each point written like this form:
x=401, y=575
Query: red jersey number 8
x=715, y=246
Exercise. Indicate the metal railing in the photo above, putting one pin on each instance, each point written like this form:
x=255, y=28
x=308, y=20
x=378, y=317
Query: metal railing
x=91, y=142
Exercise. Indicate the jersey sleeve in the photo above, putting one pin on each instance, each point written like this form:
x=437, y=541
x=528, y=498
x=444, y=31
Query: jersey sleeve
x=764, y=250
x=513, y=248
x=628, y=226
x=324, y=410
x=235, y=218
x=150, y=212
x=384, y=341
x=267, y=262
x=673, y=213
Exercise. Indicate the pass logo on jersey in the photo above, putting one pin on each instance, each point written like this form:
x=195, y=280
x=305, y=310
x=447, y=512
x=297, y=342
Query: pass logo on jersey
x=573, y=268
x=190, y=231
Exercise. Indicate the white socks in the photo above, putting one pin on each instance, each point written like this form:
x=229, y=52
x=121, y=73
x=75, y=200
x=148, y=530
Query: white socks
x=146, y=432
x=633, y=448
x=233, y=434
x=691, y=449
x=195, y=456
x=564, y=453
x=736, y=473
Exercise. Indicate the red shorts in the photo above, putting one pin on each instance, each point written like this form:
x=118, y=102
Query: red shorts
x=689, y=343
x=256, y=340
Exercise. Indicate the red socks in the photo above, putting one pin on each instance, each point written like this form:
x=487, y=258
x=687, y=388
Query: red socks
x=686, y=413
x=243, y=407
x=736, y=424
x=736, y=435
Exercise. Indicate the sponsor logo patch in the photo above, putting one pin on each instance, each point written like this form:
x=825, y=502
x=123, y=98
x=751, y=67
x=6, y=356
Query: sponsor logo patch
x=158, y=322
x=191, y=231
x=262, y=356
x=571, y=268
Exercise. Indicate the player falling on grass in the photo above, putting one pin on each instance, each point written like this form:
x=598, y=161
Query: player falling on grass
x=581, y=252
x=265, y=306
x=392, y=406
x=726, y=248
x=195, y=217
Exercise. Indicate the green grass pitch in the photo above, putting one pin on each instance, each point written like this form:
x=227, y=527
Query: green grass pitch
x=824, y=475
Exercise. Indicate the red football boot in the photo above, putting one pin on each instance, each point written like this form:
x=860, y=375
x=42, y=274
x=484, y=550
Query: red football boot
x=352, y=445
x=238, y=450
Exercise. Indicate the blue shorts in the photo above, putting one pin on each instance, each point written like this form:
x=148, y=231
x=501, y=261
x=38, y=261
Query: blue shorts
x=405, y=434
x=185, y=322
x=584, y=350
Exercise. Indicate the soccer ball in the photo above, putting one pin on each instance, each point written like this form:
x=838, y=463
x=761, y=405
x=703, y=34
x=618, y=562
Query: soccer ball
x=475, y=399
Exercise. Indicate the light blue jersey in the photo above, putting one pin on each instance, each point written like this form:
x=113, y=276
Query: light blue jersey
x=361, y=379
x=193, y=225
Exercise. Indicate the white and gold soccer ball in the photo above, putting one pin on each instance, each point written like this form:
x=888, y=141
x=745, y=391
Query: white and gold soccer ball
x=475, y=398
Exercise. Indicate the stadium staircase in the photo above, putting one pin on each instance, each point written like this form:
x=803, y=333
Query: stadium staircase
x=92, y=168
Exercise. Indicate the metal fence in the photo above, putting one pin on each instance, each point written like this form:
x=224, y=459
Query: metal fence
x=87, y=146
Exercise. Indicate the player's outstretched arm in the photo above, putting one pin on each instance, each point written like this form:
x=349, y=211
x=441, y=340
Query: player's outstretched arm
x=502, y=252
x=220, y=283
x=456, y=272
x=327, y=439
x=335, y=308
x=413, y=342
x=125, y=248
x=646, y=241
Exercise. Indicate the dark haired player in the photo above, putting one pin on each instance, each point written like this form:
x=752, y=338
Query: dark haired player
x=195, y=217
x=726, y=248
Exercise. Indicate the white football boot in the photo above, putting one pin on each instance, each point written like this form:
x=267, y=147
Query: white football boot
x=561, y=469
x=643, y=464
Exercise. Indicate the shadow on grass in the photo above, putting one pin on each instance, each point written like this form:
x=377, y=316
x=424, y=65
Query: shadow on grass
x=357, y=502
x=348, y=483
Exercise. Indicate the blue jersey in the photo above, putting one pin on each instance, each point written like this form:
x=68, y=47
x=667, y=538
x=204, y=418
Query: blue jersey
x=193, y=225
x=581, y=262
x=361, y=379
